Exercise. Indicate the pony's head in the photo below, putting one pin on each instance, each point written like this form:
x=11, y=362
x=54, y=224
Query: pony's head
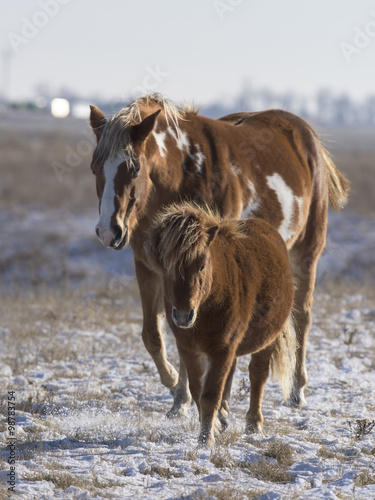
x=179, y=248
x=121, y=165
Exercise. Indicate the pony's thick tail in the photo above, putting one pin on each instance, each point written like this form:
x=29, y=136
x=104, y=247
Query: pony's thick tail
x=338, y=184
x=283, y=360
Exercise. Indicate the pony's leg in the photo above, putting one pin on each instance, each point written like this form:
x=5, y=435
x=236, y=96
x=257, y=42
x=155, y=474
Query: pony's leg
x=181, y=395
x=151, y=290
x=304, y=258
x=258, y=371
x=223, y=414
x=195, y=365
x=221, y=366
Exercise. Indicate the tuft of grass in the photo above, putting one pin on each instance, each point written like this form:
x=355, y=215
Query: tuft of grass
x=230, y=493
x=280, y=451
x=199, y=470
x=361, y=427
x=365, y=478
x=221, y=458
x=64, y=479
x=264, y=470
x=324, y=452
x=227, y=438
x=164, y=472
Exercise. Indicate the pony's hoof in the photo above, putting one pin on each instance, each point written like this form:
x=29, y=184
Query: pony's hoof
x=206, y=441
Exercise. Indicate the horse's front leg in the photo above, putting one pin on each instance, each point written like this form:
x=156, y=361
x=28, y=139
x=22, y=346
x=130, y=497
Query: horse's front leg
x=152, y=296
x=223, y=414
x=221, y=367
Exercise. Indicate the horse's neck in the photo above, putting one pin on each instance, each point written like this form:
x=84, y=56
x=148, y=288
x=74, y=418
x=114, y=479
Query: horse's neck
x=178, y=158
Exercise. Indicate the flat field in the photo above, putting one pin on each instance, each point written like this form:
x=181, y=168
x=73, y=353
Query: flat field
x=90, y=409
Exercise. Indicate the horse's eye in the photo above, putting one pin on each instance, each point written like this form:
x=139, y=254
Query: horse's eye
x=202, y=267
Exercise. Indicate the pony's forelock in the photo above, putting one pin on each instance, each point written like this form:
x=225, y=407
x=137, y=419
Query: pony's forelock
x=179, y=235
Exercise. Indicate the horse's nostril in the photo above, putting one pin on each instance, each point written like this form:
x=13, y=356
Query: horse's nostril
x=191, y=314
x=117, y=231
x=97, y=231
x=174, y=313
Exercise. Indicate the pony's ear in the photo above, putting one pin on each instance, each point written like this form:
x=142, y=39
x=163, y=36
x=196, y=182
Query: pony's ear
x=212, y=232
x=97, y=121
x=141, y=131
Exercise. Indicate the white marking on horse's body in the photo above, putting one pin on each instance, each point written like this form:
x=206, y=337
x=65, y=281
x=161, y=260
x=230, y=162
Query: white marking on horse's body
x=198, y=158
x=160, y=141
x=107, y=205
x=299, y=202
x=234, y=168
x=287, y=200
x=253, y=205
x=180, y=137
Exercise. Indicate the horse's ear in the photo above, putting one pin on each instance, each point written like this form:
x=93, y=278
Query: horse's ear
x=141, y=131
x=212, y=232
x=97, y=121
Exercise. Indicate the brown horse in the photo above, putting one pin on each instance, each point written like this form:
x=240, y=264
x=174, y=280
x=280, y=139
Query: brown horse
x=269, y=164
x=228, y=289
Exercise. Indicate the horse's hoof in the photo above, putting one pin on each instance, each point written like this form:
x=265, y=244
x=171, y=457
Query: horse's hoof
x=177, y=411
x=254, y=428
x=297, y=398
x=222, y=423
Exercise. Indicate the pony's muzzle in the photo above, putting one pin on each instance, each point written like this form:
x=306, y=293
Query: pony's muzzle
x=183, y=320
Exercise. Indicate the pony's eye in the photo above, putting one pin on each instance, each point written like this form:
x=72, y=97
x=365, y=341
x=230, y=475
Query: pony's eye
x=202, y=267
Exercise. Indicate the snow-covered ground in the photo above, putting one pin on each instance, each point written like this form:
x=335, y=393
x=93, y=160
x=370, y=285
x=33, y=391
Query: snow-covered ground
x=90, y=409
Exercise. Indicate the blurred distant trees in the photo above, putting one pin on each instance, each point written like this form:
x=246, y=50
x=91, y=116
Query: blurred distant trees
x=324, y=108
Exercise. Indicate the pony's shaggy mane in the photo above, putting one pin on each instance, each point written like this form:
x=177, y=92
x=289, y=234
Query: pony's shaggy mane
x=179, y=235
x=116, y=131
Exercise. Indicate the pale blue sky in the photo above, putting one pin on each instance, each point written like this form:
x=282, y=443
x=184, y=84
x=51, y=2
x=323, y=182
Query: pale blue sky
x=200, y=49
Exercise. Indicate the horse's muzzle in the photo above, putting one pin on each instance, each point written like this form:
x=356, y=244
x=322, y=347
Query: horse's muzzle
x=183, y=320
x=121, y=237
x=114, y=237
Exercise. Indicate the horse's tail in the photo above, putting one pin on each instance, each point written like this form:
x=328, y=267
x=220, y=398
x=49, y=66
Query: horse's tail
x=338, y=184
x=283, y=358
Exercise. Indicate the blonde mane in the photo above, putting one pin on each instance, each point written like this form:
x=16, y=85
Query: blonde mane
x=116, y=139
x=179, y=235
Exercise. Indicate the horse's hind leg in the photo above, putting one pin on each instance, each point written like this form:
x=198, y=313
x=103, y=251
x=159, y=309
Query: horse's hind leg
x=259, y=368
x=304, y=258
x=152, y=296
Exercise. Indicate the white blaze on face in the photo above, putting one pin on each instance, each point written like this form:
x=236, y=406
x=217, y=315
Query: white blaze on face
x=107, y=205
x=288, y=202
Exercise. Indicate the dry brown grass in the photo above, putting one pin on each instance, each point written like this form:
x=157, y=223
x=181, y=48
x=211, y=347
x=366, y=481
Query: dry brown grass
x=27, y=156
x=26, y=167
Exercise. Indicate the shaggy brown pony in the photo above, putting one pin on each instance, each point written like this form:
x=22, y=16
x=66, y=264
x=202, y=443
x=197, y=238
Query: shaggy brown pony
x=269, y=164
x=228, y=292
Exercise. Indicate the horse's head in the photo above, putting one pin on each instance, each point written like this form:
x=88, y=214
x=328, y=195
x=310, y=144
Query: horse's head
x=120, y=167
x=179, y=248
